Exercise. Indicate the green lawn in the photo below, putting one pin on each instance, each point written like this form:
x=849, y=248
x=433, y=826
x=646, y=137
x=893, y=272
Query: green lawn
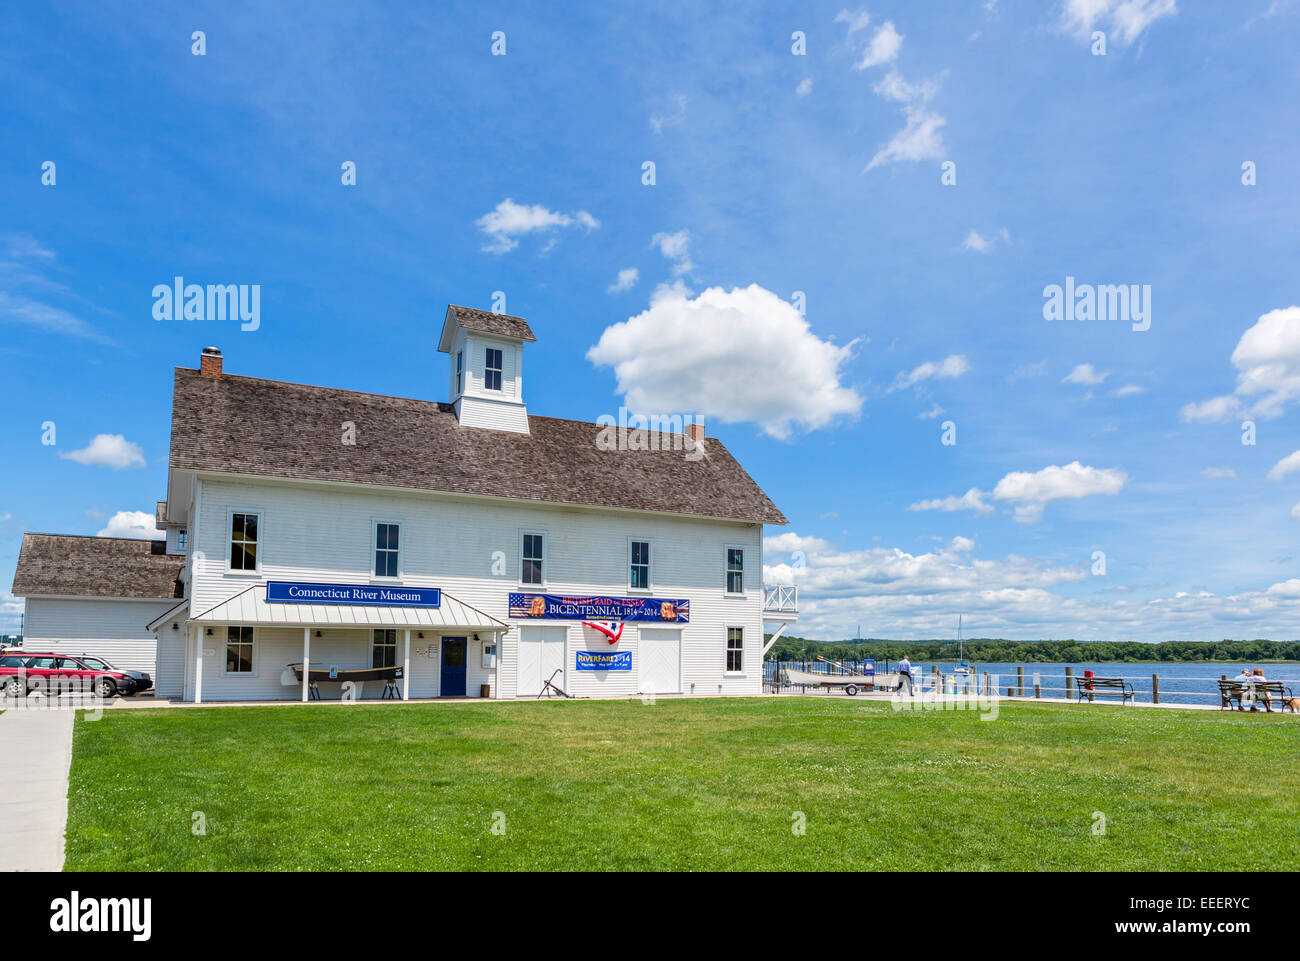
x=681, y=784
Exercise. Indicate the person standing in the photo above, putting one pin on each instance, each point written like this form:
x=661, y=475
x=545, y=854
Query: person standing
x=905, y=675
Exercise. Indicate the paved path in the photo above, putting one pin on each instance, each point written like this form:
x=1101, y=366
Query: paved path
x=35, y=753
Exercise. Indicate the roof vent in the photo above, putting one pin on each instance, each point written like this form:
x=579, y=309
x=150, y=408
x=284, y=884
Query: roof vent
x=210, y=362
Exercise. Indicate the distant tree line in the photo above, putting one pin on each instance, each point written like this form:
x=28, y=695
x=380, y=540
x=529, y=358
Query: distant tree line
x=997, y=650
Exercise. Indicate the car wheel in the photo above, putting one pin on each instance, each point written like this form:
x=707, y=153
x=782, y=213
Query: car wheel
x=16, y=687
x=105, y=687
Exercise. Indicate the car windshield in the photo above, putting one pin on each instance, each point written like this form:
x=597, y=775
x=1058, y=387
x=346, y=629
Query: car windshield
x=97, y=663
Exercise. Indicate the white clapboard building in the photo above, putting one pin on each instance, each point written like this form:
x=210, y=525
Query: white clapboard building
x=337, y=544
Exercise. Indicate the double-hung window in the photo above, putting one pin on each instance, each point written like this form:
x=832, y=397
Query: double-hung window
x=239, y=650
x=387, y=549
x=492, y=370
x=383, y=651
x=244, y=534
x=533, y=554
x=735, y=570
x=638, y=576
x=735, y=650
x=460, y=371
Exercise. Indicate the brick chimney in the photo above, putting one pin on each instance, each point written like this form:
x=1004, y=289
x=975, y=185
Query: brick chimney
x=210, y=362
x=696, y=432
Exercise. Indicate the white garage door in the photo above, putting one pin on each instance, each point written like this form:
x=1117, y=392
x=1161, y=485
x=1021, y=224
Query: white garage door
x=661, y=662
x=541, y=654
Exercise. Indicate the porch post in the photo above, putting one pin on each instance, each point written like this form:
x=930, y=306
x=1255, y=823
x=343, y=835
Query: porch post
x=198, y=664
x=306, y=662
x=406, y=666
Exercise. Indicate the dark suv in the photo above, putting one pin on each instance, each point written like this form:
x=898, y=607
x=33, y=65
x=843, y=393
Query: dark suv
x=21, y=674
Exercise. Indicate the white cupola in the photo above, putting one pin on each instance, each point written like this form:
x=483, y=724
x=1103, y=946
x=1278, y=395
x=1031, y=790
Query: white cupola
x=486, y=382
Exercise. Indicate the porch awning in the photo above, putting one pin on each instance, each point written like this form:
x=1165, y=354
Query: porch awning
x=250, y=607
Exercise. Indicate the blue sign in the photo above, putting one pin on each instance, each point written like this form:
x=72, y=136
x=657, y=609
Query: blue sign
x=604, y=661
x=869, y=667
x=593, y=607
x=368, y=595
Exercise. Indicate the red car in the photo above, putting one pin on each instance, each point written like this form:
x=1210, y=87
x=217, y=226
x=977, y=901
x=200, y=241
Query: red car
x=23, y=673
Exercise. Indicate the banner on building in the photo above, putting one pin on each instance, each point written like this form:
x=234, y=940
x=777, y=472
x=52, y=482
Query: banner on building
x=600, y=608
x=603, y=660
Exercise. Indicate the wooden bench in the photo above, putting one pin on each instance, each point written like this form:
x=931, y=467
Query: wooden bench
x=1090, y=687
x=1230, y=691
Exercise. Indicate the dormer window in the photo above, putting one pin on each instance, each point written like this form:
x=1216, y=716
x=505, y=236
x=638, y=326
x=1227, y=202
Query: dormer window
x=492, y=370
x=460, y=372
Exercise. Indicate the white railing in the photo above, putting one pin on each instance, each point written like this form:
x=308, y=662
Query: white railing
x=780, y=599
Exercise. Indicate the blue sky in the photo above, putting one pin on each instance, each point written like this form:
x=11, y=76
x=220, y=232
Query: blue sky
x=774, y=173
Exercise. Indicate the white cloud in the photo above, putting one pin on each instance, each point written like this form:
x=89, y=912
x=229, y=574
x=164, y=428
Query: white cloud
x=1030, y=493
x=920, y=138
x=742, y=354
x=1267, y=358
x=1128, y=390
x=138, y=524
x=627, y=279
x=1287, y=465
x=1212, y=411
x=10, y=609
x=857, y=20
x=1126, y=20
x=934, y=412
x=1295, y=512
x=950, y=367
x=883, y=48
x=972, y=500
x=660, y=120
x=805, y=87
x=108, y=450
x=1028, y=371
x=1084, y=374
x=881, y=573
x=977, y=242
x=677, y=248
x=508, y=221
x=1218, y=473
x=790, y=541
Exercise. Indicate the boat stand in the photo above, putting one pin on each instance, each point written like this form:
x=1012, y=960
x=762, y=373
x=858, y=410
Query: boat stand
x=391, y=693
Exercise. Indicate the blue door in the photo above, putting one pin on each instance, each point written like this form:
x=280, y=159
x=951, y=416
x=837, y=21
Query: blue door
x=453, y=667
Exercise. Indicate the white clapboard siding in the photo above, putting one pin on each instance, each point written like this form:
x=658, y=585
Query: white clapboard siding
x=470, y=548
x=169, y=674
x=112, y=628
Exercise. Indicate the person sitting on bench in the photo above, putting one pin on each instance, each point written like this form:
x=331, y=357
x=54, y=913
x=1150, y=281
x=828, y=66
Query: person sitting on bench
x=1261, y=692
x=1247, y=681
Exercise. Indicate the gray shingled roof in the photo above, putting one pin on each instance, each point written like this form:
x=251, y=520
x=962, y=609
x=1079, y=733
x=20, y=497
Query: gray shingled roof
x=246, y=425
x=72, y=566
x=486, y=322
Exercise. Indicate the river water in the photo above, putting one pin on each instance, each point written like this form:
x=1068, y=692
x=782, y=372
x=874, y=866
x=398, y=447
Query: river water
x=1180, y=682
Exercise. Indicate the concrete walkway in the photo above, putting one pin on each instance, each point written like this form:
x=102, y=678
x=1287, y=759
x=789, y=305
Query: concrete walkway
x=35, y=754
